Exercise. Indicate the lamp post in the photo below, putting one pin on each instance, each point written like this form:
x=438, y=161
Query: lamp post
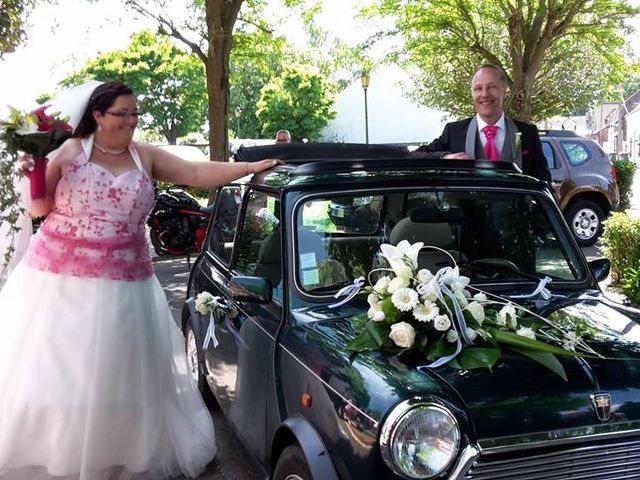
x=238, y=112
x=364, y=80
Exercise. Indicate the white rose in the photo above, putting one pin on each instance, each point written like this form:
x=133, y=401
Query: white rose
x=397, y=283
x=429, y=291
x=373, y=299
x=424, y=275
x=402, y=334
x=477, y=311
x=452, y=336
x=202, y=302
x=480, y=297
x=382, y=284
x=507, y=316
x=526, y=332
x=375, y=313
x=442, y=323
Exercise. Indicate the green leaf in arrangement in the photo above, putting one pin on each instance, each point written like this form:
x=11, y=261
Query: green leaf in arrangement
x=516, y=340
x=547, y=359
x=362, y=342
x=379, y=331
x=479, y=357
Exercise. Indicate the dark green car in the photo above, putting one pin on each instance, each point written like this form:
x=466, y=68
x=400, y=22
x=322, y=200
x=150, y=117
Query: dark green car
x=274, y=349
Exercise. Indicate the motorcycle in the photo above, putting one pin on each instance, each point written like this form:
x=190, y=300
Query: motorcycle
x=177, y=222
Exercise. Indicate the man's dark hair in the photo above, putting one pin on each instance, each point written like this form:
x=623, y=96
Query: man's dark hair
x=100, y=100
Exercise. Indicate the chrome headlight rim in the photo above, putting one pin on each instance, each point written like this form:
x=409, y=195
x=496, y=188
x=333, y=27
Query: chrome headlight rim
x=395, y=418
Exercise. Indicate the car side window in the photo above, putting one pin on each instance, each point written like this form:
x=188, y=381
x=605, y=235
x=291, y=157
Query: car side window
x=228, y=204
x=576, y=152
x=259, y=239
x=547, y=150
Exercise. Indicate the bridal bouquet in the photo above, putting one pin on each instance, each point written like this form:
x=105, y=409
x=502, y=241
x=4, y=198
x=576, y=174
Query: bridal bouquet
x=38, y=134
x=436, y=316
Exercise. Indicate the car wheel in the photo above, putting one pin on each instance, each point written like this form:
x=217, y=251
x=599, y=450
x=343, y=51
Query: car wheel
x=292, y=465
x=585, y=219
x=196, y=368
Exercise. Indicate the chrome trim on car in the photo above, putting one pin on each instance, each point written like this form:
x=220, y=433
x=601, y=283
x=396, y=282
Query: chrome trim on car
x=469, y=455
x=559, y=437
x=391, y=424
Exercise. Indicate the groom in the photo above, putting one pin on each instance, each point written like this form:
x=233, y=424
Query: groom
x=490, y=134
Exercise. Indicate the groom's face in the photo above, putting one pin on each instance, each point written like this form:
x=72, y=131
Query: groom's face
x=488, y=93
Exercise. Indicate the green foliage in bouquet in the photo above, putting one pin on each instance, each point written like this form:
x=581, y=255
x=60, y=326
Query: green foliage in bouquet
x=412, y=310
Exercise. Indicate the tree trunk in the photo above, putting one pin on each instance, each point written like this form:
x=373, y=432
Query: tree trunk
x=221, y=16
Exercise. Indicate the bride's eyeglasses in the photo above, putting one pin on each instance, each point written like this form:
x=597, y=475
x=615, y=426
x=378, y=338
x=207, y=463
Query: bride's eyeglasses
x=124, y=115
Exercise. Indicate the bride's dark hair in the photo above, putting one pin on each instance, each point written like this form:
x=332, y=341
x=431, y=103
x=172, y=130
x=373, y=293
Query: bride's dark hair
x=101, y=99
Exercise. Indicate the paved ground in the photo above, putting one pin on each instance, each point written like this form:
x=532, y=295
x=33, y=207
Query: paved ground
x=232, y=462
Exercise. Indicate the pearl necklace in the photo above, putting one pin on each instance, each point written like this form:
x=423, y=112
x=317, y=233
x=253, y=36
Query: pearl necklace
x=109, y=151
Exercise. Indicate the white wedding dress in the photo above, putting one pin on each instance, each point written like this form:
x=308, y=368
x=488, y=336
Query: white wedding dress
x=93, y=375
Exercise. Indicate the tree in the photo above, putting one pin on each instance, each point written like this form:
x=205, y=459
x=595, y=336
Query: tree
x=299, y=100
x=169, y=80
x=559, y=55
x=257, y=56
x=211, y=22
x=13, y=16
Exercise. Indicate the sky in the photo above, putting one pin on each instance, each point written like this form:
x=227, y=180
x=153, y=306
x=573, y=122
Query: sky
x=64, y=36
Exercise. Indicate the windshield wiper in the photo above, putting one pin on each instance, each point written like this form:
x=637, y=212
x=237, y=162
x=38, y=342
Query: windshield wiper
x=332, y=287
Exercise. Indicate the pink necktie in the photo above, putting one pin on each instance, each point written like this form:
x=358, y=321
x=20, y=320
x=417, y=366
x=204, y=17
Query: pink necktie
x=490, y=150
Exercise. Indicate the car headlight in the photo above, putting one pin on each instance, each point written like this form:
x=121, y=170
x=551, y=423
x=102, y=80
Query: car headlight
x=419, y=440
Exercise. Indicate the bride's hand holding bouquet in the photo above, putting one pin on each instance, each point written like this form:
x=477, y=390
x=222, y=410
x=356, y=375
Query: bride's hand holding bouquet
x=35, y=133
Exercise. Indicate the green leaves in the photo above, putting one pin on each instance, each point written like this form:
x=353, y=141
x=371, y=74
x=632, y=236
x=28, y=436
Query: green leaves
x=298, y=100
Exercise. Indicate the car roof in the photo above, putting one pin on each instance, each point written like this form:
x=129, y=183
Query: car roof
x=315, y=164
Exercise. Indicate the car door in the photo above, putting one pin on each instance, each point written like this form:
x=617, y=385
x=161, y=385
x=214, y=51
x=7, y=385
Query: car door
x=560, y=176
x=241, y=363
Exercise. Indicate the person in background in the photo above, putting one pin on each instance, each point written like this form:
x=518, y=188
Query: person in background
x=490, y=134
x=93, y=372
x=283, y=136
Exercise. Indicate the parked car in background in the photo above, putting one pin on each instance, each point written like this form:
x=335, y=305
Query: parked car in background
x=273, y=349
x=584, y=182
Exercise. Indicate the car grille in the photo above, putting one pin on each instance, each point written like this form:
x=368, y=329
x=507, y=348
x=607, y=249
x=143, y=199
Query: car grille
x=603, y=461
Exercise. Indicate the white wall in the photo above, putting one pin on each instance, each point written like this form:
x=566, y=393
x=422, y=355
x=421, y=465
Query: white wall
x=392, y=117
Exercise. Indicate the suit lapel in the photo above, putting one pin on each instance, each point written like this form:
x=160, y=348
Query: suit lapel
x=472, y=140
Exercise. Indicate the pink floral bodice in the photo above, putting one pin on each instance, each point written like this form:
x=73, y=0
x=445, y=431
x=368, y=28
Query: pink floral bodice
x=97, y=227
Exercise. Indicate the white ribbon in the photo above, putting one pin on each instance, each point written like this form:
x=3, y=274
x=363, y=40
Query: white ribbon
x=541, y=290
x=210, y=336
x=350, y=291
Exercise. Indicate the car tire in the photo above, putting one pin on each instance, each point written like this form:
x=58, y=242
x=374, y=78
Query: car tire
x=585, y=220
x=292, y=465
x=196, y=366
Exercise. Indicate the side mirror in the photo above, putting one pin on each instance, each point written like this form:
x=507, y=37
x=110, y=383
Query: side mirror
x=250, y=289
x=600, y=268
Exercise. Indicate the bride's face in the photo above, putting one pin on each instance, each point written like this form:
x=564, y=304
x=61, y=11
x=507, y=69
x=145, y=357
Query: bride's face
x=119, y=121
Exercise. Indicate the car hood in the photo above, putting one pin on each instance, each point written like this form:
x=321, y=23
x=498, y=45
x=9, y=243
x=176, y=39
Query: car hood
x=519, y=396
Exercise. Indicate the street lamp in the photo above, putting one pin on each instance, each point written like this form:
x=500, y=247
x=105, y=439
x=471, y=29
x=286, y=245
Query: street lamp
x=364, y=80
x=238, y=112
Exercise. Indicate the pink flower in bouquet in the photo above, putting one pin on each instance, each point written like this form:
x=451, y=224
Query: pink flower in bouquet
x=48, y=123
x=38, y=134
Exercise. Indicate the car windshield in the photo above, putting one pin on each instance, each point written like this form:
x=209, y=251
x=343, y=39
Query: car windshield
x=494, y=237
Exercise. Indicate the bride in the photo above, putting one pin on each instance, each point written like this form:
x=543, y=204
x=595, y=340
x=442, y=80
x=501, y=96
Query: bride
x=94, y=377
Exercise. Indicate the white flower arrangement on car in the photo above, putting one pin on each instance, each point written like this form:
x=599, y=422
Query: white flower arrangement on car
x=413, y=310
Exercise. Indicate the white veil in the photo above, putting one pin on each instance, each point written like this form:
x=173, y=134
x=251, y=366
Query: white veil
x=71, y=102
